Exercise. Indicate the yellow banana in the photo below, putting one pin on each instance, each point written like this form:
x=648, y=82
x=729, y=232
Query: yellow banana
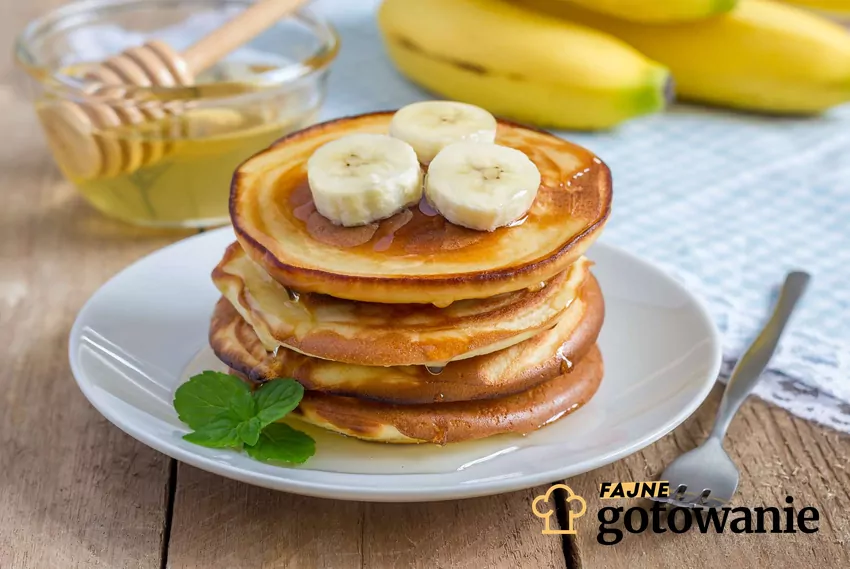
x=834, y=6
x=520, y=64
x=761, y=56
x=660, y=11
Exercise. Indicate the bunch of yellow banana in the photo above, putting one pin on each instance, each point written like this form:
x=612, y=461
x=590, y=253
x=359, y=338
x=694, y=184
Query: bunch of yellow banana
x=521, y=64
x=556, y=63
x=762, y=55
x=833, y=6
x=661, y=11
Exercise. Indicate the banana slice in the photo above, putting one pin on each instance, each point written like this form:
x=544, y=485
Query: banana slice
x=430, y=126
x=481, y=186
x=361, y=178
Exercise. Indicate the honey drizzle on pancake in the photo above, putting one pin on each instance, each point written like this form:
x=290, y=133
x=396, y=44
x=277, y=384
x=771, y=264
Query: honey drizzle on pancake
x=427, y=209
x=306, y=209
x=421, y=230
x=566, y=363
x=412, y=231
x=388, y=230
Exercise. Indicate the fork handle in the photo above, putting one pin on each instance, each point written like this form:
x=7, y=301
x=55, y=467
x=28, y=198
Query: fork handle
x=749, y=368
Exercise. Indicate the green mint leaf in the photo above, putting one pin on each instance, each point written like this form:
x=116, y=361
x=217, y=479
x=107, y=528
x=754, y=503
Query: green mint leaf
x=249, y=431
x=276, y=398
x=223, y=412
x=281, y=443
x=243, y=406
x=209, y=395
x=219, y=433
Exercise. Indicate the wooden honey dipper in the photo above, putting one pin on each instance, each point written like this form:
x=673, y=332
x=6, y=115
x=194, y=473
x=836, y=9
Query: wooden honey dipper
x=71, y=125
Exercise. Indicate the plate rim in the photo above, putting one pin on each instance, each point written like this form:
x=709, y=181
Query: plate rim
x=391, y=493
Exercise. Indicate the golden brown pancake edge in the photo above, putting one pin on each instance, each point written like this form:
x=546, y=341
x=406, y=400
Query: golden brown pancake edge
x=443, y=423
x=492, y=375
x=588, y=191
x=373, y=334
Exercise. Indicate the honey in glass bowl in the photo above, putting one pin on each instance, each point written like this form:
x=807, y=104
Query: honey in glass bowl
x=173, y=167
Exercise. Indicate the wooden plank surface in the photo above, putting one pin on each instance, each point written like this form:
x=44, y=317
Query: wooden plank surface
x=229, y=525
x=778, y=455
x=74, y=490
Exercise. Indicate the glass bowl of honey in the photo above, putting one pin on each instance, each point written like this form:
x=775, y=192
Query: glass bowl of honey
x=158, y=155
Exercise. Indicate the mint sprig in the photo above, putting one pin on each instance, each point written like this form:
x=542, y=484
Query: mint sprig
x=280, y=442
x=275, y=399
x=209, y=395
x=224, y=413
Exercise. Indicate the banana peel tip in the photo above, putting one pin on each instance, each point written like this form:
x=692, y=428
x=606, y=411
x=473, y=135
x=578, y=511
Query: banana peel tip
x=723, y=6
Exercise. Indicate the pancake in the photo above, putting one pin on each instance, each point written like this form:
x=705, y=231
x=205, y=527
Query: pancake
x=443, y=423
x=522, y=366
x=390, y=334
x=415, y=256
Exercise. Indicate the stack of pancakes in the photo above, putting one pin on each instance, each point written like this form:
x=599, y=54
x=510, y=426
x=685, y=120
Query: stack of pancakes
x=413, y=329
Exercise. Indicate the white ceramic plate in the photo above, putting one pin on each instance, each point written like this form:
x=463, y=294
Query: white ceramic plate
x=145, y=331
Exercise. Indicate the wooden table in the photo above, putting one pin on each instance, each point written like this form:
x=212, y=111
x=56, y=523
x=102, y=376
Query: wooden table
x=76, y=492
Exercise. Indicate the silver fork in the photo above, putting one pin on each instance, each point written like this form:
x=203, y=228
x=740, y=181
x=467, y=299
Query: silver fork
x=706, y=476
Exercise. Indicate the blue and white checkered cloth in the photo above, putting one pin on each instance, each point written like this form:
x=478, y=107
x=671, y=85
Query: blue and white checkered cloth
x=725, y=202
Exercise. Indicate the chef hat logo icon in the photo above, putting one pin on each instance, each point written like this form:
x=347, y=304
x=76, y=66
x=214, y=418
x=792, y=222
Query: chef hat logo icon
x=541, y=508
